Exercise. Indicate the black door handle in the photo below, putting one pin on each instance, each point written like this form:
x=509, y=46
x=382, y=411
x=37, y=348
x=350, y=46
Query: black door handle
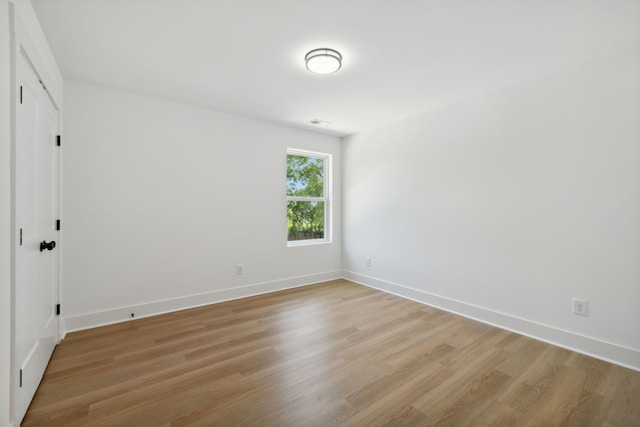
x=44, y=245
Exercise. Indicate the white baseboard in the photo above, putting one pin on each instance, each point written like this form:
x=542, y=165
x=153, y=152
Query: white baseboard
x=609, y=352
x=122, y=314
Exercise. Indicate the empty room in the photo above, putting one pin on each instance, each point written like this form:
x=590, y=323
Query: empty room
x=337, y=213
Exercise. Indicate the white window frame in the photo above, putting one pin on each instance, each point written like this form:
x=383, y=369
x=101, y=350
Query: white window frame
x=326, y=198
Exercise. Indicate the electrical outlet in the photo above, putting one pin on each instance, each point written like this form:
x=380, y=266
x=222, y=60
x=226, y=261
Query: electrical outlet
x=239, y=269
x=367, y=262
x=580, y=306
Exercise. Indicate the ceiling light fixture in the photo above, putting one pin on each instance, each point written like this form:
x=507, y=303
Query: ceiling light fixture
x=323, y=61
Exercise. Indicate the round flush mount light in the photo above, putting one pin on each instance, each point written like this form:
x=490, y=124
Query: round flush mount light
x=323, y=61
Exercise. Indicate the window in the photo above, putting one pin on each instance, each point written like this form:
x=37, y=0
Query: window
x=308, y=197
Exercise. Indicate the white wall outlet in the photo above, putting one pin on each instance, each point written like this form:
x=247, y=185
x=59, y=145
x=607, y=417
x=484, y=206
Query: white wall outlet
x=239, y=269
x=580, y=306
x=367, y=262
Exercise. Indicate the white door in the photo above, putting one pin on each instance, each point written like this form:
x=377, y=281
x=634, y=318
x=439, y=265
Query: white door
x=36, y=291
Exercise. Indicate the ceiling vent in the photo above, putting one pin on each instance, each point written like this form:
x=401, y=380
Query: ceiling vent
x=318, y=122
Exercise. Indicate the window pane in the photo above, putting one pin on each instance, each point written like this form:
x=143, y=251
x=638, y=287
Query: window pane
x=305, y=176
x=305, y=220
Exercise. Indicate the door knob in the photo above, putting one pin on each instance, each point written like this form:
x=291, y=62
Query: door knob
x=44, y=245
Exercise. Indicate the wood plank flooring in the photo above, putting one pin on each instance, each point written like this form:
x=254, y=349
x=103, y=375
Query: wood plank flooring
x=324, y=355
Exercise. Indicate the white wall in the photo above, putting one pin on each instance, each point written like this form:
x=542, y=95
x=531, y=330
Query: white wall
x=162, y=200
x=506, y=206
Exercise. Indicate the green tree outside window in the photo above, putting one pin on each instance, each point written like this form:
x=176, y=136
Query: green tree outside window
x=306, y=197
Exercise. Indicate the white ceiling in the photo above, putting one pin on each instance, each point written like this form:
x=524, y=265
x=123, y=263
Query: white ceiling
x=401, y=57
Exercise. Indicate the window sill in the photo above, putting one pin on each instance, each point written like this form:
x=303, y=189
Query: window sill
x=295, y=243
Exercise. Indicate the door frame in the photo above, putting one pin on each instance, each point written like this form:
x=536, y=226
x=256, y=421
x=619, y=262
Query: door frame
x=46, y=70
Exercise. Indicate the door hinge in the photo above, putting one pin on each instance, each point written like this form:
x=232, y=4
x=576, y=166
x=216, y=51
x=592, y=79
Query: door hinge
x=58, y=142
x=20, y=94
x=57, y=224
x=57, y=309
x=21, y=237
x=20, y=377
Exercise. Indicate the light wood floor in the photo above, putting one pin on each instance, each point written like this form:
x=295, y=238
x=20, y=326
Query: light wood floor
x=329, y=354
